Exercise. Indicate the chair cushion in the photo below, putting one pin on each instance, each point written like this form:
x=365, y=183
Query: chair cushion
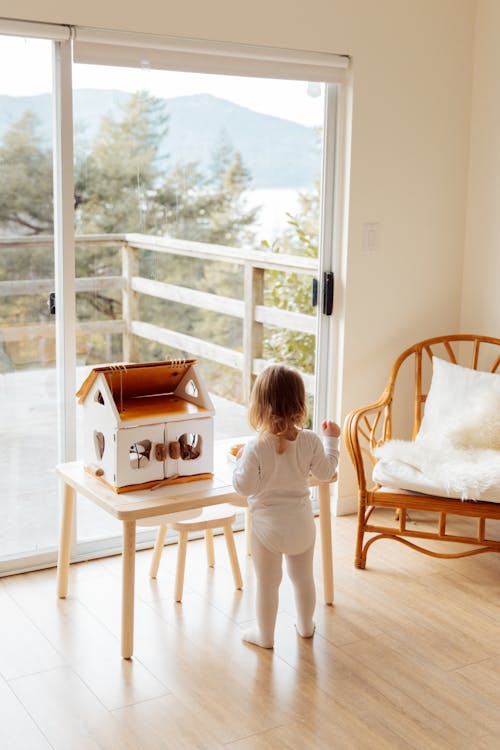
x=462, y=407
x=399, y=475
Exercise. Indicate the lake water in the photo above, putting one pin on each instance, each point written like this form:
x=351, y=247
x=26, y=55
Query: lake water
x=274, y=205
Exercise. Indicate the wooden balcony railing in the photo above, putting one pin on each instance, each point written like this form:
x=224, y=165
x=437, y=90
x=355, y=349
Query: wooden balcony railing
x=249, y=360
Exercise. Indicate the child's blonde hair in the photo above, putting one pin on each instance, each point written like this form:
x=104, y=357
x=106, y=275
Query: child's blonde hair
x=278, y=402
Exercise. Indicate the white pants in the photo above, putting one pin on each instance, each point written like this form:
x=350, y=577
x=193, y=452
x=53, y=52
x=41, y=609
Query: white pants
x=268, y=571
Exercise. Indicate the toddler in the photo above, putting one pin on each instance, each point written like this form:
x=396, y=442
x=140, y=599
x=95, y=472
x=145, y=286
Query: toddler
x=272, y=472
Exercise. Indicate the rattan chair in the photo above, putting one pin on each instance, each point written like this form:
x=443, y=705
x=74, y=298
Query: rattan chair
x=370, y=426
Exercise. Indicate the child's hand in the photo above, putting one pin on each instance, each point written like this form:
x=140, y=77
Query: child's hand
x=236, y=450
x=330, y=429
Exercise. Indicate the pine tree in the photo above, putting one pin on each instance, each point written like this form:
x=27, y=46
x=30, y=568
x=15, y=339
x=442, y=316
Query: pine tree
x=116, y=183
x=26, y=186
x=126, y=183
x=290, y=291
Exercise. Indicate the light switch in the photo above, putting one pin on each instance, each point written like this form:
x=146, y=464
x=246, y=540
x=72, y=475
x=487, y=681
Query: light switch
x=370, y=237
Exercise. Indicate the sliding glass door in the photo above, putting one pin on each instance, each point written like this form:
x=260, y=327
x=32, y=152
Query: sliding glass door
x=192, y=215
x=28, y=383
x=193, y=165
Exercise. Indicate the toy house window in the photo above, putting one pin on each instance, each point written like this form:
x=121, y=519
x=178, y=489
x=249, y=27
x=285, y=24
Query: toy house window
x=190, y=446
x=191, y=389
x=99, y=444
x=139, y=454
x=98, y=398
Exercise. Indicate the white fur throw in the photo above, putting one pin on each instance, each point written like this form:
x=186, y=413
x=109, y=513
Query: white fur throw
x=466, y=472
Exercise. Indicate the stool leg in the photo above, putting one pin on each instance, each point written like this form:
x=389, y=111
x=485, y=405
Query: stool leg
x=209, y=541
x=233, y=557
x=160, y=541
x=181, y=564
x=248, y=529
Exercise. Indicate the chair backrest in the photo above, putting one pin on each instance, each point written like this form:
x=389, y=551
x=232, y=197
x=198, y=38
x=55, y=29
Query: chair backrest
x=477, y=352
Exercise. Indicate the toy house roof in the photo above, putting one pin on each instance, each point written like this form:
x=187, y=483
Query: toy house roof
x=151, y=389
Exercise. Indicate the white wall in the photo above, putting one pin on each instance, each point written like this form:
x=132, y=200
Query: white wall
x=481, y=286
x=410, y=139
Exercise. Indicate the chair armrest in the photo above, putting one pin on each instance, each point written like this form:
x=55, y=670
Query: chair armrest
x=365, y=429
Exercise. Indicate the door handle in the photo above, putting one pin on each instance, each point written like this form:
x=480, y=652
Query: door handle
x=328, y=292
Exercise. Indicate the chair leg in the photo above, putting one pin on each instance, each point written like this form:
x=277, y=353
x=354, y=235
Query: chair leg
x=233, y=557
x=209, y=543
x=359, y=558
x=160, y=541
x=181, y=564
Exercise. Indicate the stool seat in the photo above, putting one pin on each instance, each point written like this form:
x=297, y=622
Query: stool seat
x=210, y=517
x=169, y=518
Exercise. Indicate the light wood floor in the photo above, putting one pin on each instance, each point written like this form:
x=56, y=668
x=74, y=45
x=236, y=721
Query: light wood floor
x=409, y=657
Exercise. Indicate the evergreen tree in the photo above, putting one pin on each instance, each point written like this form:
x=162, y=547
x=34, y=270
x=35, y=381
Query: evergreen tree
x=125, y=183
x=26, y=185
x=26, y=208
x=115, y=185
x=290, y=291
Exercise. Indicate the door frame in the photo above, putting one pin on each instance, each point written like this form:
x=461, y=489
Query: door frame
x=333, y=250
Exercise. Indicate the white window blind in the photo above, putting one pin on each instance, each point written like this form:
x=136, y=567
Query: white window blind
x=34, y=30
x=96, y=46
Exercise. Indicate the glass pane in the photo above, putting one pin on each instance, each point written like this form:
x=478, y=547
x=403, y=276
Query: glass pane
x=212, y=174
x=28, y=429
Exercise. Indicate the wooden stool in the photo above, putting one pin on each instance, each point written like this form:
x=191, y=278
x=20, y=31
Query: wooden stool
x=212, y=517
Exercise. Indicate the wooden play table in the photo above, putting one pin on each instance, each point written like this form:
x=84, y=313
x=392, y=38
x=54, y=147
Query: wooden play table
x=131, y=507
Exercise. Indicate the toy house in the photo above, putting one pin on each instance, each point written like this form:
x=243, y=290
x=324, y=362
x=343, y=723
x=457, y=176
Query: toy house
x=147, y=424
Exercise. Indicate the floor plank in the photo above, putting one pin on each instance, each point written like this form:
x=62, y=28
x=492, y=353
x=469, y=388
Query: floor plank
x=23, y=648
x=18, y=731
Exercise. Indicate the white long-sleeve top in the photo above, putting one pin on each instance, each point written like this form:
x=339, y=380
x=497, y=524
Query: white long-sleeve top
x=277, y=488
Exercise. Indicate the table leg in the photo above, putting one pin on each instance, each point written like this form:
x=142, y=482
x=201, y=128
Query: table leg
x=128, y=583
x=325, y=523
x=65, y=541
x=248, y=529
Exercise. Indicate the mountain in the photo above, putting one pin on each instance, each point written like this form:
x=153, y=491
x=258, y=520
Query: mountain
x=278, y=153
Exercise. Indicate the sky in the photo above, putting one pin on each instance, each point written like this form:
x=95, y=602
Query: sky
x=30, y=72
